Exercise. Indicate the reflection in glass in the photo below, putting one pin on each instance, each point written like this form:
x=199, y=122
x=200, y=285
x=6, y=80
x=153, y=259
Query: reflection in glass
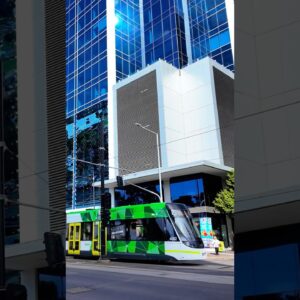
x=188, y=191
x=130, y=195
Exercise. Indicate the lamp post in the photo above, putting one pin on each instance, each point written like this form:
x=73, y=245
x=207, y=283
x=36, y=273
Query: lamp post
x=158, y=156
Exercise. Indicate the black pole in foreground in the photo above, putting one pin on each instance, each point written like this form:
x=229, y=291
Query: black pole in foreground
x=102, y=212
x=2, y=219
x=2, y=251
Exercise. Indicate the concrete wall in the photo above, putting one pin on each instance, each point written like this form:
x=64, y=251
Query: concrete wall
x=267, y=108
x=32, y=118
x=185, y=106
x=190, y=124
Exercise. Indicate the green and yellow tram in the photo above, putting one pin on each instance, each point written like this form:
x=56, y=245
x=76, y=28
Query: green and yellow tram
x=158, y=231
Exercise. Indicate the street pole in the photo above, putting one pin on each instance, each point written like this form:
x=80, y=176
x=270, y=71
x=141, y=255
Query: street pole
x=158, y=157
x=2, y=215
x=93, y=187
x=101, y=153
x=159, y=169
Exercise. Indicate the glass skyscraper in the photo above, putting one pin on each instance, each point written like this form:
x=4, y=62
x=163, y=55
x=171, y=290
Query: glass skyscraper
x=108, y=40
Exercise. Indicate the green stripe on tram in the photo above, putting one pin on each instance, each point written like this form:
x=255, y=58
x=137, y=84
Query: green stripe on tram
x=142, y=211
x=136, y=247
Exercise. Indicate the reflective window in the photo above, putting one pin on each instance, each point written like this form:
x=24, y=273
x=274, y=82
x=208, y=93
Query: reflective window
x=184, y=225
x=118, y=230
x=187, y=191
x=86, y=231
x=130, y=195
x=96, y=230
x=209, y=30
x=151, y=229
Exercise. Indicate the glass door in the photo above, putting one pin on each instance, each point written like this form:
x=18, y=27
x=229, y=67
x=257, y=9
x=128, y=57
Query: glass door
x=96, y=239
x=74, y=238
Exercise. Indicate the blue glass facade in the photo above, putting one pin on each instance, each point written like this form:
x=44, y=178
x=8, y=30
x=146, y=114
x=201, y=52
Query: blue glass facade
x=209, y=31
x=86, y=54
x=128, y=38
x=86, y=86
x=164, y=32
x=130, y=195
x=144, y=31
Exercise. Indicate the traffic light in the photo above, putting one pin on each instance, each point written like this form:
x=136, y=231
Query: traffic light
x=105, y=208
x=55, y=251
x=107, y=200
x=120, y=182
x=106, y=216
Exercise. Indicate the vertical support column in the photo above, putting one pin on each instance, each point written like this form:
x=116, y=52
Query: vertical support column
x=111, y=80
x=142, y=29
x=167, y=191
x=229, y=4
x=102, y=199
x=74, y=156
x=30, y=281
x=112, y=193
x=230, y=231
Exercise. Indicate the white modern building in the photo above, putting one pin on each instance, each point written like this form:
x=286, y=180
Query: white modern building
x=191, y=110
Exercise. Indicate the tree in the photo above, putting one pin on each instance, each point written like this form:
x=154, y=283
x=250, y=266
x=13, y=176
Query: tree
x=224, y=200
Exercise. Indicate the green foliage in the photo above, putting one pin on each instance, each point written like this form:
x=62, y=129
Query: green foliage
x=224, y=200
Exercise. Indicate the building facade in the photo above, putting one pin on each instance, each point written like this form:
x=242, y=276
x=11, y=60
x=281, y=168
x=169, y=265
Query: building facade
x=106, y=41
x=32, y=99
x=191, y=111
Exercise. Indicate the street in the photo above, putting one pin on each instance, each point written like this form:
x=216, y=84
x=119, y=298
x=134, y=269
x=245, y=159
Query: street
x=109, y=280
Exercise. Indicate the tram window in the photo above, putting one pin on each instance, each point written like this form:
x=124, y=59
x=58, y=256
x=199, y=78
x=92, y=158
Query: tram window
x=156, y=230
x=137, y=230
x=86, y=232
x=117, y=230
x=170, y=231
x=96, y=231
x=77, y=230
x=151, y=229
x=67, y=232
x=71, y=232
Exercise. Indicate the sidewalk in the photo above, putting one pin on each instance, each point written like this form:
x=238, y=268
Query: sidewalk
x=227, y=251
x=224, y=256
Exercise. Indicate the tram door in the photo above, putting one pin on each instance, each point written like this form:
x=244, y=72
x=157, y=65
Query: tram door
x=96, y=239
x=74, y=238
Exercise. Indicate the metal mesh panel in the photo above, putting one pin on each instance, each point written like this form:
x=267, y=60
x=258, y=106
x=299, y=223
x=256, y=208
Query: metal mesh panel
x=137, y=102
x=56, y=101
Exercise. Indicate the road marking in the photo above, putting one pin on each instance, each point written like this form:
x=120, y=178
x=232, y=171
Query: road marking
x=77, y=290
x=217, y=279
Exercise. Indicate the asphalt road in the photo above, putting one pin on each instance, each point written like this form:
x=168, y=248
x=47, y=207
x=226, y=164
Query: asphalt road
x=211, y=280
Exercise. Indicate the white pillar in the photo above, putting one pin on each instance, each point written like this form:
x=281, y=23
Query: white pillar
x=112, y=193
x=111, y=81
x=167, y=191
x=230, y=17
x=230, y=231
x=30, y=281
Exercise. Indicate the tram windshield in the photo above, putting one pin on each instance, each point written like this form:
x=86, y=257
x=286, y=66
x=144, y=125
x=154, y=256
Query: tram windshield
x=182, y=220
